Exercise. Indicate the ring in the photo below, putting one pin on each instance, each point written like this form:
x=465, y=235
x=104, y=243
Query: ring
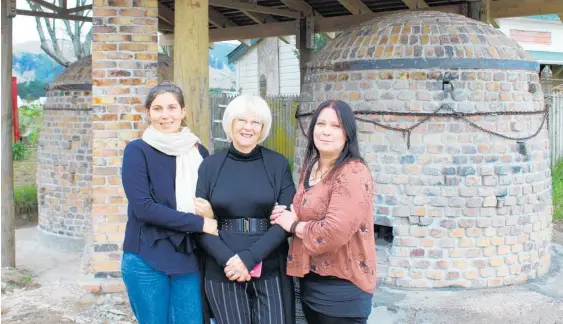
x=230, y=273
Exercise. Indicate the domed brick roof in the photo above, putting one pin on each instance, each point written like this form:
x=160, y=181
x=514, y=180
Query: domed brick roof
x=444, y=38
x=79, y=74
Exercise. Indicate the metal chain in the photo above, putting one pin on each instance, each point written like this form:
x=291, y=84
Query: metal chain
x=457, y=115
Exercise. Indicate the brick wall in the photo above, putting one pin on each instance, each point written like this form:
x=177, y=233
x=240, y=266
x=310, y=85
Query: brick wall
x=124, y=68
x=64, y=169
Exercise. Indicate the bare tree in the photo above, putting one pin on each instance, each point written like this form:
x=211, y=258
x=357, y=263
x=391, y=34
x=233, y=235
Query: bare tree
x=73, y=29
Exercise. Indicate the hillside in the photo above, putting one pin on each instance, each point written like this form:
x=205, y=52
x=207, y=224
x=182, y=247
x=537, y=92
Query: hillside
x=30, y=63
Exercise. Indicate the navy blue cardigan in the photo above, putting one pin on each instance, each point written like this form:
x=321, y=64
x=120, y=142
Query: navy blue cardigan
x=155, y=230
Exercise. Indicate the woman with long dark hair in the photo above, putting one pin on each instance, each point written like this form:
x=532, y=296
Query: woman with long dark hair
x=331, y=220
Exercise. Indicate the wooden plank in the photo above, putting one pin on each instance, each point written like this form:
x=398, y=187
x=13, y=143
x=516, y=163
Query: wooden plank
x=519, y=8
x=255, y=8
x=415, y=4
x=7, y=172
x=356, y=7
x=301, y=6
x=219, y=20
x=322, y=24
x=78, y=9
x=47, y=5
x=166, y=14
x=191, y=63
x=53, y=15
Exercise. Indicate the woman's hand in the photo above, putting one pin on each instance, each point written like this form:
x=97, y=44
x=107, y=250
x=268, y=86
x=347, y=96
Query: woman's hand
x=284, y=219
x=203, y=208
x=236, y=270
x=277, y=211
x=210, y=226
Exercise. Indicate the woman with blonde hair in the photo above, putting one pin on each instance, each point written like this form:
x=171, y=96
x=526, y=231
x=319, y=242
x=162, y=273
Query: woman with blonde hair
x=244, y=275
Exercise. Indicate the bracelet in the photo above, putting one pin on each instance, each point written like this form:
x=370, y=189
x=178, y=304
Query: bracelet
x=293, y=227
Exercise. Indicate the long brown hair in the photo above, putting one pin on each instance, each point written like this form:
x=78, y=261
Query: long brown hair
x=350, y=151
x=166, y=87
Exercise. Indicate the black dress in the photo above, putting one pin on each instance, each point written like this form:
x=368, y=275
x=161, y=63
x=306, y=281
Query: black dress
x=242, y=185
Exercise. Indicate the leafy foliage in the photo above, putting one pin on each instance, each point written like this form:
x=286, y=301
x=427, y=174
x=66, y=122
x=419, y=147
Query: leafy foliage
x=20, y=151
x=25, y=199
x=30, y=120
x=32, y=90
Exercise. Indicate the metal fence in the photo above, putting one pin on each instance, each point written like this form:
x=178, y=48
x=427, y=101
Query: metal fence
x=556, y=128
x=282, y=133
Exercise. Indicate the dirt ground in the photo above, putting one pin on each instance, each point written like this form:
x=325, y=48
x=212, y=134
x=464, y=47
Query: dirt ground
x=25, y=171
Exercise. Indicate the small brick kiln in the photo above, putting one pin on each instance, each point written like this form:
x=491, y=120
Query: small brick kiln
x=64, y=166
x=452, y=124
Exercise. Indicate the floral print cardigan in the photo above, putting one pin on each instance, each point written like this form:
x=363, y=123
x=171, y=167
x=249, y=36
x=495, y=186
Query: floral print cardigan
x=339, y=238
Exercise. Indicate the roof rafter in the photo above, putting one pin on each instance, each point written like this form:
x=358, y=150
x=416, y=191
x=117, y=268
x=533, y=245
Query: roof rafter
x=234, y=4
x=415, y=4
x=356, y=7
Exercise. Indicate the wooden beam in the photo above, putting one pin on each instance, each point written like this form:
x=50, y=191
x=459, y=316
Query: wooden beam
x=415, y=4
x=78, y=9
x=330, y=35
x=519, y=8
x=191, y=63
x=219, y=20
x=322, y=24
x=166, y=14
x=8, y=245
x=53, y=15
x=301, y=6
x=48, y=5
x=259, y=18
x=233, y=4
x=356, y=7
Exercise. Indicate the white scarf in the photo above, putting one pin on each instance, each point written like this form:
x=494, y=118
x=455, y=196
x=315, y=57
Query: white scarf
x=182, y=145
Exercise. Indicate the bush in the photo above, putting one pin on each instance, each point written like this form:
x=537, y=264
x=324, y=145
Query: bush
x=30, y=119
x=25, y=199
x=19, y=151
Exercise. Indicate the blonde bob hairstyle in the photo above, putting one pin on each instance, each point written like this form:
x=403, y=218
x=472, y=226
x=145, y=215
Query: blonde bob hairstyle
x=245, y=104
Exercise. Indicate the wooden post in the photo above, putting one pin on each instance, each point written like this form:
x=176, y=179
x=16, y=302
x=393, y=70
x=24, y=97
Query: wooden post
x=305, y=52
x=191, y=62
x=8, y=211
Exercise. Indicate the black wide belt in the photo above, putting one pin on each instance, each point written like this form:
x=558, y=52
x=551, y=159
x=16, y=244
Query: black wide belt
x=246, y=225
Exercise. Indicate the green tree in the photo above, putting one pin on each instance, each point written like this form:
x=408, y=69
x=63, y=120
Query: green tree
x=32, y=90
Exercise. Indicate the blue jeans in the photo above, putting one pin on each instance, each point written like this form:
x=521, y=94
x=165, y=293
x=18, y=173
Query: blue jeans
x=158, y=298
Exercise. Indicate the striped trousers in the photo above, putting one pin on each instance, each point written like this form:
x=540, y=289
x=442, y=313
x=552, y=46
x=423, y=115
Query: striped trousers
x=258, y=301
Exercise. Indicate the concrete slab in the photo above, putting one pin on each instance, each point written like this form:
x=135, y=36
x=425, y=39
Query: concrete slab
x=46, y=263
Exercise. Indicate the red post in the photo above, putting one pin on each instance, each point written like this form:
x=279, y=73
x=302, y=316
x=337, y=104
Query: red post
x=15, y=115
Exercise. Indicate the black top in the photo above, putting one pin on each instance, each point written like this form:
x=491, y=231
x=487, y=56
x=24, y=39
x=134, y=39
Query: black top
x=242, y=191
x=331, y=295
x=155, y=230
x=240, y=185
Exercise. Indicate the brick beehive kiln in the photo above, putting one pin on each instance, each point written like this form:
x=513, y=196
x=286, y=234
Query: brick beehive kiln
x=452, y=124
x=64, y=167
